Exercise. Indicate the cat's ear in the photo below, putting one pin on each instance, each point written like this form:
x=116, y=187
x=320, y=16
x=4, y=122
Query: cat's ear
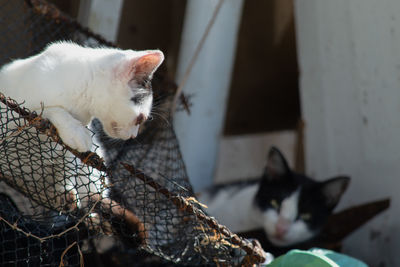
x=333, y=190
x=277, y=165
x=143, y=65
x=146, y=65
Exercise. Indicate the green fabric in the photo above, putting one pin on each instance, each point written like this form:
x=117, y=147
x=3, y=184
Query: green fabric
x=315, y=258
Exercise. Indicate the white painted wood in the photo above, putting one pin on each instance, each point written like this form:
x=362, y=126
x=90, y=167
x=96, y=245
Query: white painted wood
x=245, y=156
x=209, y=81
x=349, y=58
x=101, y=16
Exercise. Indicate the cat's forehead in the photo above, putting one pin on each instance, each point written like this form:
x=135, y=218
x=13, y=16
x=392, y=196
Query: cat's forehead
x=285, y=184
x=288, y=185
x=289, y=204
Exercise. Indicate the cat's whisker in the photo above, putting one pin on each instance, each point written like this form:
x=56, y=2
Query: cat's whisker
x=280, y=201
x=160, y=112
x=82, y=71
x=115, y=141
x=161, y=116
x=136, y=141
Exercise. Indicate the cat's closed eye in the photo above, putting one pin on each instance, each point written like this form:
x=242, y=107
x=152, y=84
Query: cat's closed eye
x=274, y=203
x=137, y=99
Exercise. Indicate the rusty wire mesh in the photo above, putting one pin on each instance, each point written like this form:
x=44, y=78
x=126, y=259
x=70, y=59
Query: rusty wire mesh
x=57, y=205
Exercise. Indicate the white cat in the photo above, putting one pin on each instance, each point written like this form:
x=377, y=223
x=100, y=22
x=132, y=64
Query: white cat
x=78, y=83
x=74, y=84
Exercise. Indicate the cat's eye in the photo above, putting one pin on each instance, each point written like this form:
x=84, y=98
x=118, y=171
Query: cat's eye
x=305, y=216
x=137, y=99
x=274, y=203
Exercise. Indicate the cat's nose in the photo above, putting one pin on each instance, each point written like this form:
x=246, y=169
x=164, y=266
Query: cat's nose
x=140, y=119
x=281, y=228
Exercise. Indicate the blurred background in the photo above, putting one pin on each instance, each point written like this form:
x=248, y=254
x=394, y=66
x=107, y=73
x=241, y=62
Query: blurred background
x=318, y=79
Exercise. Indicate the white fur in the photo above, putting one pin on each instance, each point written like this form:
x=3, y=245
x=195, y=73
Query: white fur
x=75, y=84
x=297, y=230
x=235, y=208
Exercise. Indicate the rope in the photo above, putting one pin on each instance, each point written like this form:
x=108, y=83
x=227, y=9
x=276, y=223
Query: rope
x=195, y=56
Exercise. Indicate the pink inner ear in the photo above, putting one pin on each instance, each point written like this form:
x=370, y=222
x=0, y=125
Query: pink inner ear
x=147, y=64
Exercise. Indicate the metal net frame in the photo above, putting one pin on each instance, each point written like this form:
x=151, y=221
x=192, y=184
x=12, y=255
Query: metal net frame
x=57, y=205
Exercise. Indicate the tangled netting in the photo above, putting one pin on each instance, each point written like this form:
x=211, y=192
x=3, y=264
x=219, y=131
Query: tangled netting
x=59, y=207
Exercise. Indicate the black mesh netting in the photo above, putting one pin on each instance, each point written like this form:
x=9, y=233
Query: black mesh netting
x=59, y=207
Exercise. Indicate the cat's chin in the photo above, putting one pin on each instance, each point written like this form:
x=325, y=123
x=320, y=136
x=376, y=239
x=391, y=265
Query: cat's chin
x=286, y=242
x=123, y=134
x=281, y=242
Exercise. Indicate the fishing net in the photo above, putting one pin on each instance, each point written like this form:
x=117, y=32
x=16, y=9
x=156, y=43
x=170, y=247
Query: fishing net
x=59, y=207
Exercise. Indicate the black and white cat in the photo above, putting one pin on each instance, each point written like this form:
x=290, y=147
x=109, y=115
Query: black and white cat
x=290, y=207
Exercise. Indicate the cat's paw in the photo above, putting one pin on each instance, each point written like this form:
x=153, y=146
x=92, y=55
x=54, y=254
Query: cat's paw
x=77, y=137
